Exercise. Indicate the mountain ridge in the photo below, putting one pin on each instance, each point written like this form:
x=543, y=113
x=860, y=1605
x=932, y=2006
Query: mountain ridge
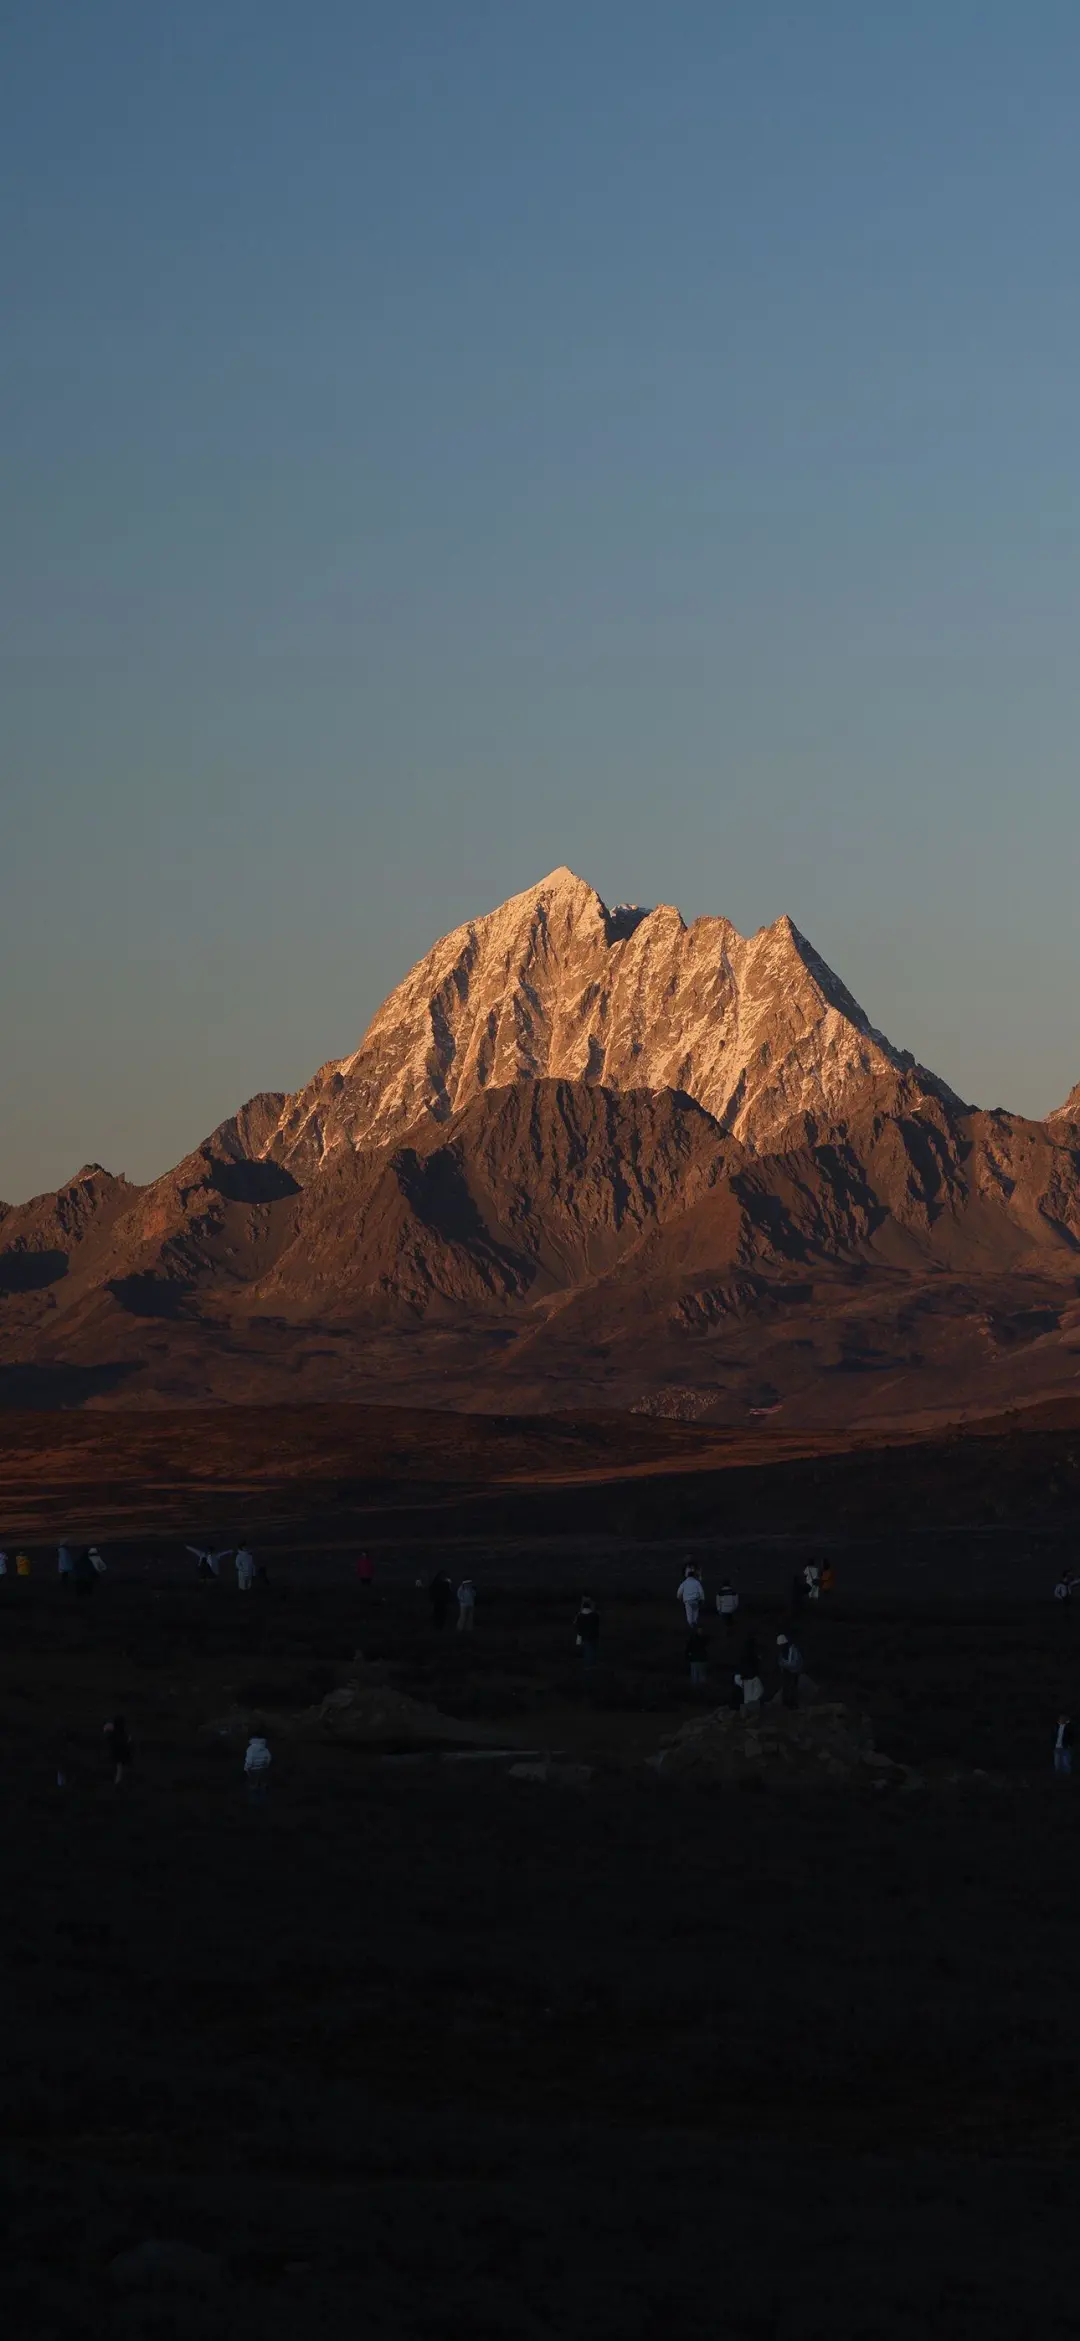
x=596, y=1155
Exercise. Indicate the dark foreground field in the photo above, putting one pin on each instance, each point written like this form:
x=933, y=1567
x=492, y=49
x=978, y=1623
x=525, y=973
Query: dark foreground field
x=428, y=2051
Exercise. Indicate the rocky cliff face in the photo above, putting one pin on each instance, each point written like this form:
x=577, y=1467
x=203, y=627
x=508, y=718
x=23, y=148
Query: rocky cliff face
x=553, y=985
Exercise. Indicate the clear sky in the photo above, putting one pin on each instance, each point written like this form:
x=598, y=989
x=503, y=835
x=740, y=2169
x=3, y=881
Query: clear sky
x=444, y=441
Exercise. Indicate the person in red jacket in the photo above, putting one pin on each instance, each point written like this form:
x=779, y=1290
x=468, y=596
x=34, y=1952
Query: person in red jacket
x=365, y=1569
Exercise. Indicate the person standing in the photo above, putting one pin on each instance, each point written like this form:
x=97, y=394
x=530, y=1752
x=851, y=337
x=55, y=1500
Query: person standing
x=697, y=1651
x=828, y=1577
x=257, y=1762
x=22, y=1564
x=750, y=1661
x=1063, y=1745
x=691, y=1593
x=791, y=1665
x=85, y=1572
x=587, y=1634
x=96, y=1562
x=727, y=1603
x=466, y=1606
x=245, y=1569
x=752, y=1691
x=3, y=1564
x=812, y=1574
x=442, y=1597
x=65, y=1567
x=209, y=1562
x=121, y=1752
x=365, y=1571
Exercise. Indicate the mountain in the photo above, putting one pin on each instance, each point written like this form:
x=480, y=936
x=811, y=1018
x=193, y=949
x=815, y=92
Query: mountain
x=580, y=1156
x=554, y=985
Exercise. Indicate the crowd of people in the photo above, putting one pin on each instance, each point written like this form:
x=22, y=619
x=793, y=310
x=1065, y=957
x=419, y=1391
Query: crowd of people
x=78, y=1566
x=743, y=1683
x=746, y=1683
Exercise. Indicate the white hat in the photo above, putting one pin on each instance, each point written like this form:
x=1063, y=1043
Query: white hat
x=781, y=1641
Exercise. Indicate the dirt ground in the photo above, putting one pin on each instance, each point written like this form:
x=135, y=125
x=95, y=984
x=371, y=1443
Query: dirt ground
x=423, y=2050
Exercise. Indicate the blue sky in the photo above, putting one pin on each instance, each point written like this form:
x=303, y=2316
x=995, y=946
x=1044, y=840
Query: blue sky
x=443, y=442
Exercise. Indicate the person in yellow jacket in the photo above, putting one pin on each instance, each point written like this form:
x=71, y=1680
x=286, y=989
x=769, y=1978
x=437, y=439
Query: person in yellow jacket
x=22, y=1564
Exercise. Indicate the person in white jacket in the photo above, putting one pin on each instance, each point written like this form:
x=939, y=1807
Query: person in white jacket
x=209, y=1562
x=245, y=1569
x=257, y=1764
x=691, y=1593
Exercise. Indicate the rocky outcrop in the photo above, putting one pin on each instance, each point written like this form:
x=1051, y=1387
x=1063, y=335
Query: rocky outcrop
x=813, y=1747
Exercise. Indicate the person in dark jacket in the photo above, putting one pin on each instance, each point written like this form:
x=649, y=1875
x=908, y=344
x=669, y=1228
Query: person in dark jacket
x=443, y=1599
x=750, y=1662
x=85, y=1572
x=587, y=1633
x=697, y=1651
x=790, y=1662
x=121, y=1753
